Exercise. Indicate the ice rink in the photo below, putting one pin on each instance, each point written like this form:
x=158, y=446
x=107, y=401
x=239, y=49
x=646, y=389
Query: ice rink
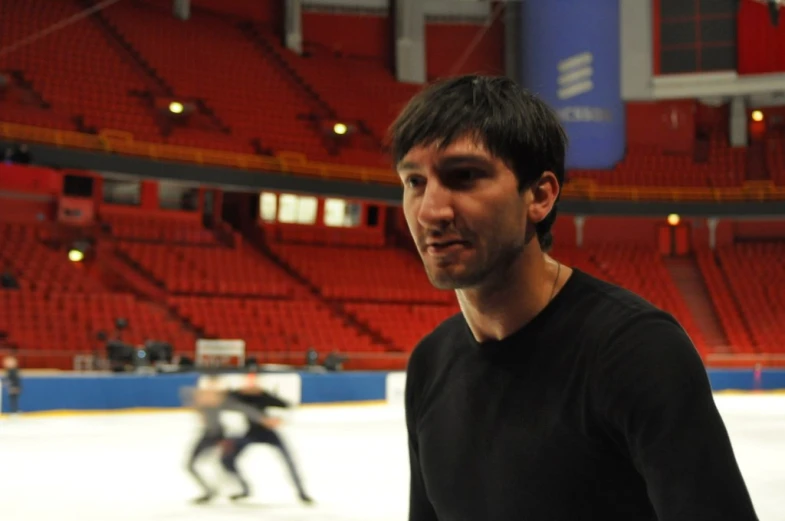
x=130, y=466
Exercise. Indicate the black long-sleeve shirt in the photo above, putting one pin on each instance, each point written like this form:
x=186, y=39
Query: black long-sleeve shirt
x=260, y=401
x=14, y=380
x=599, y=408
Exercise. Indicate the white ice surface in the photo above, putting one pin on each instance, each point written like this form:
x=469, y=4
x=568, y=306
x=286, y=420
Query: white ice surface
x=353, y=460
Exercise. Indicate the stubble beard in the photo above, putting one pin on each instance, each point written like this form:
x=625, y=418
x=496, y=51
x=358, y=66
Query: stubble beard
x=490, y=273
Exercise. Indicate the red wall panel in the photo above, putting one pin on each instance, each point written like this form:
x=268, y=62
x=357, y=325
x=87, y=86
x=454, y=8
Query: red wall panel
x=26, y=210
x=18, y=178
x=668, y=124
x=664, y=239
x=681, y=239
x=364, y=36
x=76, y=210
x=759, y=230
x=446, y=45
x=761, y=46
x=107, y=210
x=628, y=230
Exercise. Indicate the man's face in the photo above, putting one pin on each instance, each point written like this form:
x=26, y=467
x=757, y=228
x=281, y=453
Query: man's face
x=464, y=211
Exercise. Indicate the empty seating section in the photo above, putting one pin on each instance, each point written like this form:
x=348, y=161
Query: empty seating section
x=359, y=89
x=225, y=292
x=379, y=274
x=403, y=324
x=38, y=267
x=386, y=288
x=75, y=68
x=234, y=292
x=210, y=270
x=725, y=304
x=756, y=277
x=382, y=287
x=49, y=328
x=272, y=325
x=141, y=227
x=651, y=166
x=209, y=58
x=640, y=270
x=82, y=70
x=59, y=307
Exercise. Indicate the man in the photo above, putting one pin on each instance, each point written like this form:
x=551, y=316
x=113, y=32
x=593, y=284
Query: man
x=552, y=395
x=13, y=383
x=259, y=432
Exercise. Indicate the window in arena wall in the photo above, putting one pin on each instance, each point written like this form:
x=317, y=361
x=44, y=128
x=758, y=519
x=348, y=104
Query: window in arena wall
x=697, y=35
x=287, y=208
x=339, y=212
x=121, y=191
x=268, y=206
x=297, y=209
x=306, y=210
x=176, y=196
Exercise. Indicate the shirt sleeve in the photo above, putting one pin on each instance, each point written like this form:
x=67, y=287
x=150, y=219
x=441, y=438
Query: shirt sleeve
x=277, y=401
x=420, y=508
x=654, y=393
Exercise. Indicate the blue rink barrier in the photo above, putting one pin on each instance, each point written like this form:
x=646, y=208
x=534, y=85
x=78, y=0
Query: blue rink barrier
x=107, y=392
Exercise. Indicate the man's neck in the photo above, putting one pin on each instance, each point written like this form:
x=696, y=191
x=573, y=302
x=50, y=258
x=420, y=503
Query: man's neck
x=497, y=310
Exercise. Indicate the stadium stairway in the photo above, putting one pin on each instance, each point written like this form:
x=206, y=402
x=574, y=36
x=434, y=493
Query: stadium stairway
x=119, y=269
x=757, y=166
x=156, y=84
x=119, y=273
x=273, y=54
x=255, y=238
x=159, y=86
x=269, y=53
x=686, y=273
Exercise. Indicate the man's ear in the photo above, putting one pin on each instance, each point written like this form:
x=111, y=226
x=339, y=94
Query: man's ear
x=545, y=193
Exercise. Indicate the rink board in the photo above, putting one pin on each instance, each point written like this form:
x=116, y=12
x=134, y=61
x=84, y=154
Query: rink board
x=128, y=391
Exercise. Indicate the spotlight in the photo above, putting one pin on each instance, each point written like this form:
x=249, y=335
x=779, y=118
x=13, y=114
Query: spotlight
x=175, y=107
x=340, y=129
x=674, y=219
x=757, y=115
x=75, y=255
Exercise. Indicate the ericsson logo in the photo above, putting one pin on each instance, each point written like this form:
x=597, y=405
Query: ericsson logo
x=575, y=75
x=575, y=78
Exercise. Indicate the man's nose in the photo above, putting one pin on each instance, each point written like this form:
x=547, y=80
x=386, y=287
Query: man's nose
x=436, y=210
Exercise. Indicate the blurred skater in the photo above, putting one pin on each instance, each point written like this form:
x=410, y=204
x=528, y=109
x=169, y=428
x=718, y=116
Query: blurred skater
x=260, y=432
x=209, y=401
x=13, y=382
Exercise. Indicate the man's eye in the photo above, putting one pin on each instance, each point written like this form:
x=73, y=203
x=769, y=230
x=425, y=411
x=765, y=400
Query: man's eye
x=413, y=181
x=466, y=175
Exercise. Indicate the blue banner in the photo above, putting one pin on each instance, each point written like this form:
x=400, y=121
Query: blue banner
x=571, y=58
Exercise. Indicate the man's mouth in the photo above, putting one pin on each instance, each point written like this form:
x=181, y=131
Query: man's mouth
x=443, y=247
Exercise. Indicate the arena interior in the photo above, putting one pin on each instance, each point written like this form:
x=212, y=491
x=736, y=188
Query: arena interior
x=201, y=185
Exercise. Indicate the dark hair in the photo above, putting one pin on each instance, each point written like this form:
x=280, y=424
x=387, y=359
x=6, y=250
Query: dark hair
x=513, y=124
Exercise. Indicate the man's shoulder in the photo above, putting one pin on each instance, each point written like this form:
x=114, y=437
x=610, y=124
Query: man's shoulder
x=450, y=331
x=610, y=308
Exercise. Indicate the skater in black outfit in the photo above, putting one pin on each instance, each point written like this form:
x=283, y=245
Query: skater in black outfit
x=209, y=402
x=259, y=432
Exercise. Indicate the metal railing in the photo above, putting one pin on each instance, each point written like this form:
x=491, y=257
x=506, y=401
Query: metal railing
x=294, y=163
